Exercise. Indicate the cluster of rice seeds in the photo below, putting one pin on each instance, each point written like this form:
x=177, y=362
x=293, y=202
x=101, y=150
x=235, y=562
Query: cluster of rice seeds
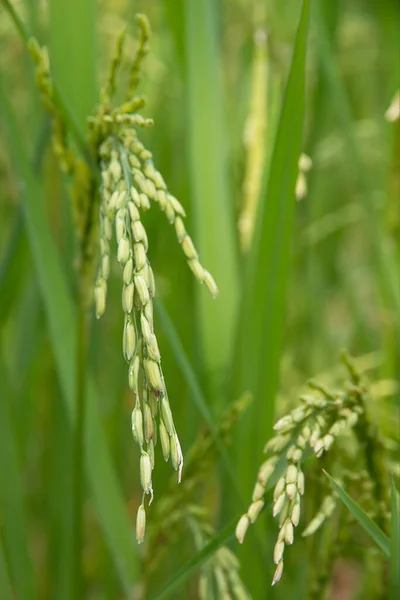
x=287, y=494
x=120, y=210
x=222, y=575
x=257, y=504
x=129, y=183
x=316, y=423
x=332, y=422
x=150, y=184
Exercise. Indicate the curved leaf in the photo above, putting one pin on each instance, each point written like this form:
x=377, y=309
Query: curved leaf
x=366, y=523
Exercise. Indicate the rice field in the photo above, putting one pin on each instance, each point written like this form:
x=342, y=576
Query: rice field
x=199, y=299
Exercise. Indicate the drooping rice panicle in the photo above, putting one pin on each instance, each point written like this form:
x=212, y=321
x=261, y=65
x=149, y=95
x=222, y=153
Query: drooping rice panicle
x=130, y=184
x=313, y=427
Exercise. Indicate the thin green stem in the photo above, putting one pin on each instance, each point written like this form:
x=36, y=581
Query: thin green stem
x=22, y=30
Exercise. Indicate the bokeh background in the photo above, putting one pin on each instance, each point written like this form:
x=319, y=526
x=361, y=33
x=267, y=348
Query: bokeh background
x=210, y=62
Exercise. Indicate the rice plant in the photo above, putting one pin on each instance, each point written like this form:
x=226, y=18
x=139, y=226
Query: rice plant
x=268, y=134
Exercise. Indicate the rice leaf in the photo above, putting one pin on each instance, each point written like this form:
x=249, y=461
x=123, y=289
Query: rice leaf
x=379, y=537
x=197, y=394
x=5, y=584
x=395, y=545
x=175, y=17
x=213, y=218
x=13, y=266
x=73, y=54
x=60, y=503
x=262, y=318
x=14, y=521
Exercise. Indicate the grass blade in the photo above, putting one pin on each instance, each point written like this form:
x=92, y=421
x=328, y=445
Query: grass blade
x=59, y=505
x=260, y=338
x=197, y=394
x=13, y=266
x=197, y=561
x=73, y=26
x=208, y=168
x=61, y=318
x=366, y=523
x=73, y=53
x=14, y=525
x=395, y=546
x=261, y=322
x=5, y=584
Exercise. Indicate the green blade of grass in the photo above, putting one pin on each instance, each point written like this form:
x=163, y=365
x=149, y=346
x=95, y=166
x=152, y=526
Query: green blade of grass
x=76, y=129
x=14, y=521
x=262, y=317
x=61, y=318
x=196, y=392
x=175, y=16
x=209, y=184
x=73, y=57
x=395, y=545
x=261, y=322
x=366, y=523
x=59, y=504
x=5, y=584
x=73, y=54
x=33, y=10
x=222, y=538
x=13, y=266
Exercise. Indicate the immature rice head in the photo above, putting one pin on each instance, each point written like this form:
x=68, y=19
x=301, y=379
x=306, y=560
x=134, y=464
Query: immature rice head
x=315, y=424
x=130, y=185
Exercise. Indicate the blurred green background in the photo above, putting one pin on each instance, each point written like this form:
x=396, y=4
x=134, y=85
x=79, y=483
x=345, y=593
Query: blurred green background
x=339, y=266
